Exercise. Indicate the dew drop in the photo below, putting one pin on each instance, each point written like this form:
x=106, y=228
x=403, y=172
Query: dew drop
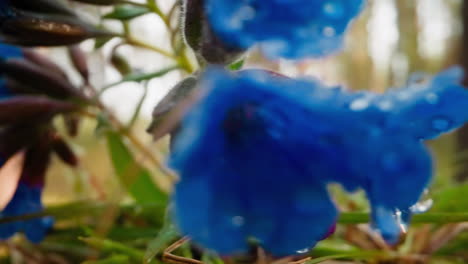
x=333, y=9
x=403, y=95
x=441, y=123
x=359, y=105
x=329, y=31
x=422, y=206
x=244, y=13
x=432, y=98
x=399, y=219
x=303, y=251
x=238, y=221
x=385, y=105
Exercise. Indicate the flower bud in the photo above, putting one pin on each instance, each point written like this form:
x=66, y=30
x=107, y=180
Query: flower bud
x=39, y=78
x=172, y=100
x=201, y=38
x=79, y=60
x=64, y=152
x=42, y=6
x=24, y=108
x=44, y=62
x=35, y=25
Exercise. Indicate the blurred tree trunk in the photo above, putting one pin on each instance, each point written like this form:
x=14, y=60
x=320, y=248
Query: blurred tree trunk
x=409, y=32
x=463, y=133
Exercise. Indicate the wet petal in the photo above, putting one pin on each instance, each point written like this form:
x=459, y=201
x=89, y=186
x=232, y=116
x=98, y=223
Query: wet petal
x=291, y=29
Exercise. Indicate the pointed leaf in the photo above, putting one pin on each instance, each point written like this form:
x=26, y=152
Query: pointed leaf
x=167, y=234
x=452, y=199
x=136, y=179
x=142, y=77
x=79, y=60
x=127, y=12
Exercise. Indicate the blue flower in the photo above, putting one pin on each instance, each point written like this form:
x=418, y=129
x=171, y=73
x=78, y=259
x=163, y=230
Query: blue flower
x=256, y=153
x=26, y=200
x=291, y=29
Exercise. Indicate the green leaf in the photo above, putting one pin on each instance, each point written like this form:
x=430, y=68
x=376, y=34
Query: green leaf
x=136, y=179
x=126, y=12
x=350, y=256
x=100, y=42
x=456, y=247
x=211, y=258
x=236, y=65
x=453, y=199
x=114, y=259
x=106, y=245
x=167, y=234
x=141, y=77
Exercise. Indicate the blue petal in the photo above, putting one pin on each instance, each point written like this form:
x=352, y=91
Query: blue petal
x=240, y=175
x=9, y=51
x=25, y=200
x=397, y=170
x=256, y=152
x=291, y=29
x=305, y=223
x=424, y=110
x=436, y=107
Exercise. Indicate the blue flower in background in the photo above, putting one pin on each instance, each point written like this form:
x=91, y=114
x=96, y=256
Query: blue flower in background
x=27, y=199
x=6, y=52
x=9, y=51
x=256, y=153
x=290, y=29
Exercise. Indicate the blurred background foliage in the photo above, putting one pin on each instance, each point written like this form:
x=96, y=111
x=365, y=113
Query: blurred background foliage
x=99, y=222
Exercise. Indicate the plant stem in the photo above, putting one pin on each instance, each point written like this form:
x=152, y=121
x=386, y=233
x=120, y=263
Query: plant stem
x=434, y=218
x=71, y=211
x=139, y=43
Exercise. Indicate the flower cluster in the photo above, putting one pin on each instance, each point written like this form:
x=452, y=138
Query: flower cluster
x=256, y=153
x=30, y=87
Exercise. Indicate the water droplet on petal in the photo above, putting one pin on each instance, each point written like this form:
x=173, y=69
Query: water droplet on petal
x=386, y=222
x=244, y=13
x=303, y=251
x=432, y=98
x=441, y=123
x=329, y=31
x=404, y=95
x=401, y=223
x=333, y=9
x=238, y=221
x=359, y=104
x=422, y=206
x=385, y=105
